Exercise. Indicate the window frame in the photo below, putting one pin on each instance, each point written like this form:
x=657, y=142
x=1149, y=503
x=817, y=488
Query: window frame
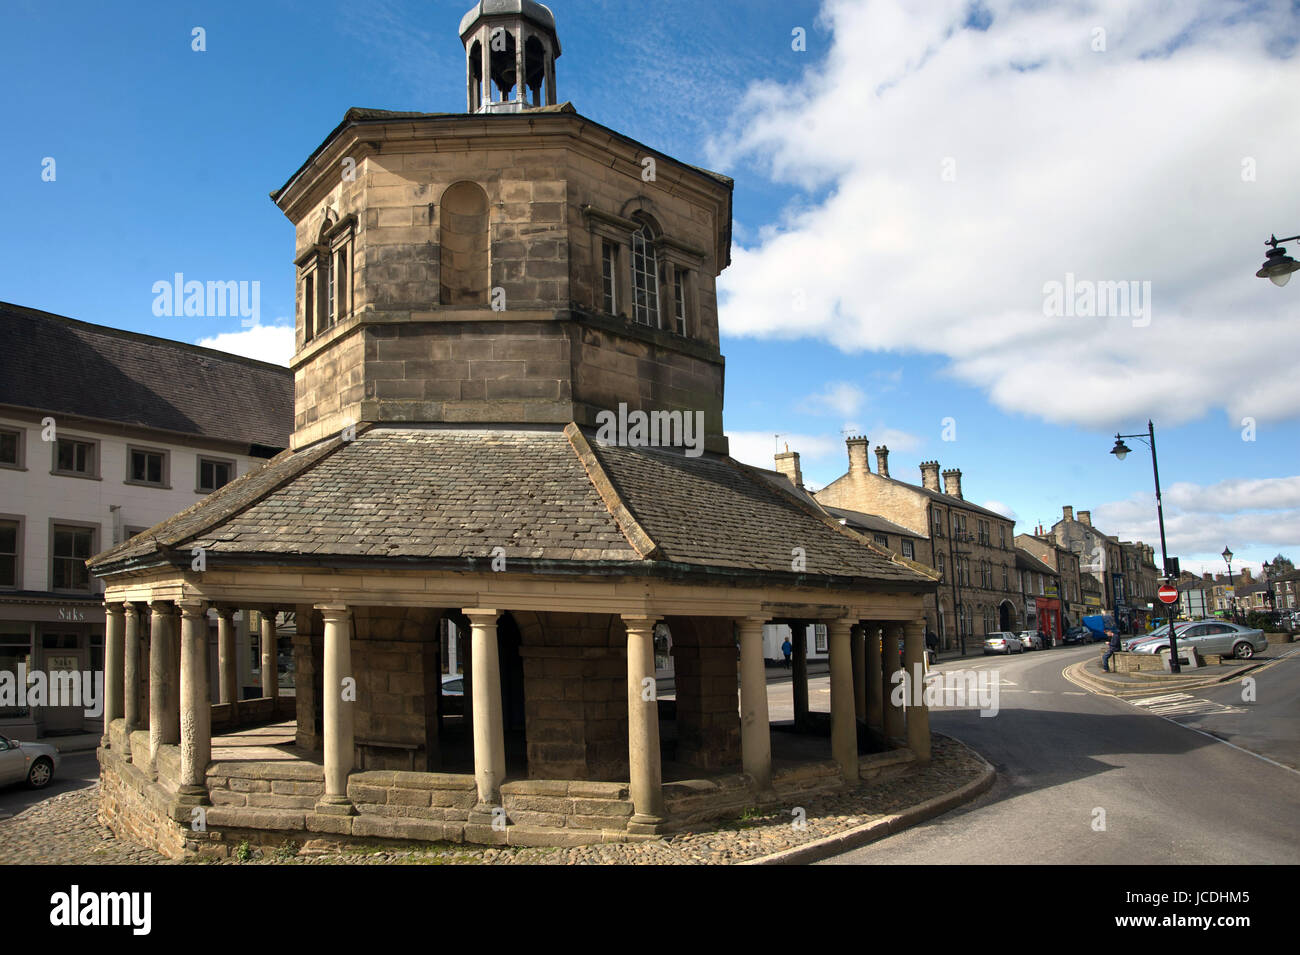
x=882, y=540
x=20, y=523
x=646, y=264
x=20, y=447
x=198, y=472
x=94, y=443
x=55, y=525
x=609, y=271
x=164, y=481
x=908, y=549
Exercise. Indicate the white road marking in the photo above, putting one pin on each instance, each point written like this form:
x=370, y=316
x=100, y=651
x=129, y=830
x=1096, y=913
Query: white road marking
x=1184, y=704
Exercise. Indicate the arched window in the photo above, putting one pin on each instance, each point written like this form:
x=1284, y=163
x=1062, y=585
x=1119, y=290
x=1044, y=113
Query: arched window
x=645, y=277
x=463, y=245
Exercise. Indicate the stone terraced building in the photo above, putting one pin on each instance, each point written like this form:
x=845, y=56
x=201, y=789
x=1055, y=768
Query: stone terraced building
x=473, y=304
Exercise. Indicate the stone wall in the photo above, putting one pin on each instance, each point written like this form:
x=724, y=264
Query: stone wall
x=705, y=663
x=575, y=695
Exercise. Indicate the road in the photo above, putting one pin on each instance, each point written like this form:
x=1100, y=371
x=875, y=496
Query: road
x=76, y=771
x=1087, y=779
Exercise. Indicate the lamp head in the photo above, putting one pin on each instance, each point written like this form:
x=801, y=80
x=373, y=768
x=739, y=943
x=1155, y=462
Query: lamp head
x=1121, y=449
x=1278, y=266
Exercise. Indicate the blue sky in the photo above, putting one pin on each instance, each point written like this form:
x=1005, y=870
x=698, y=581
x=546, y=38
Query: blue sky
x=914, y=176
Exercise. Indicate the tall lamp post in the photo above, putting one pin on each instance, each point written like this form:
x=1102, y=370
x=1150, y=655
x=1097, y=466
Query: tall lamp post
x=1121, y=452
x=1232, y=595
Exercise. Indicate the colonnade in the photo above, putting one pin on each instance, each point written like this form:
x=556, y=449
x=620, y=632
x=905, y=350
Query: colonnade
x=860, y=677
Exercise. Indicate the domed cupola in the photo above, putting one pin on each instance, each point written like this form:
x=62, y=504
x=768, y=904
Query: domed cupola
x=506, y=40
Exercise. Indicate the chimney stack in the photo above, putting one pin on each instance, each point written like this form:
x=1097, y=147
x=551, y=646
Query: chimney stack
x=1067, y=513
x=787, y=463
x=882, y=460
x=858, y=455
x=930, y=475
x=1085, y=517
x=952, y=483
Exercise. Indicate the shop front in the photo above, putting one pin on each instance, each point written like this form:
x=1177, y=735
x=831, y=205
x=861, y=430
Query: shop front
x=43, y=635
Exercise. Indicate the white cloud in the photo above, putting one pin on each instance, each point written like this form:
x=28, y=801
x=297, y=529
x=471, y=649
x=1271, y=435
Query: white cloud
x=837, y=397
x=1004, y=509
x=1123, y=165
x=272, y=343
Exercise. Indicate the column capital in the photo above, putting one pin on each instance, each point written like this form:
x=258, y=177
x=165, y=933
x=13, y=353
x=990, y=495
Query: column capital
x=636, y=621
x=191, y=607
x=754, y=620
x=841, y=623
x=333, y=611
x=225, y=611
x=481, y=615
x=160, y=606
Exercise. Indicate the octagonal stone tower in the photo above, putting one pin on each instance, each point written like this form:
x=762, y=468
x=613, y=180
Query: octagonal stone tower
x=516, y=264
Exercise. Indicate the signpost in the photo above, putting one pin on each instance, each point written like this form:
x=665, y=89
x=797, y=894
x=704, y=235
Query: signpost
x=1167, y=593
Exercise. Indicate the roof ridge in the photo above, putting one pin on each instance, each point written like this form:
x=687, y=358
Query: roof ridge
x=627, y=523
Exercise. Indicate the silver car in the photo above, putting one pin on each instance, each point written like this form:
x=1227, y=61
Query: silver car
x=32, y=763
x=1207, y=636
x=1031, y=639
x=1002, y=642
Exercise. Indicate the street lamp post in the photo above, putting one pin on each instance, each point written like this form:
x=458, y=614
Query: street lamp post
x=1232, y=596
x=1121, y=452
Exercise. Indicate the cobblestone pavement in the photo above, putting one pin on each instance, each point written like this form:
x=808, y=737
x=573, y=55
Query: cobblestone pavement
x=64, y=830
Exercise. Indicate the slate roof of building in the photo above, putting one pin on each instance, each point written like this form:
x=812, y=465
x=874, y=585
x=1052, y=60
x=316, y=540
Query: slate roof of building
x=448, y=496
x=873, y=522
x=54, y=364
x=1027, y=561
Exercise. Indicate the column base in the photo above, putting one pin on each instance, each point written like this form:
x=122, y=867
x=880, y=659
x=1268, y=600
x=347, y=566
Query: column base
x=643, y=824
x=484, y=813
x=193, y=796
x=335, y=806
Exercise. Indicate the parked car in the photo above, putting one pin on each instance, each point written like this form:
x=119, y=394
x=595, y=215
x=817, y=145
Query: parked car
x=1077, y=635
x=1031, y=639
x=1207, y=636
x=1002, y=641
x=32, y=763
x=453, y=693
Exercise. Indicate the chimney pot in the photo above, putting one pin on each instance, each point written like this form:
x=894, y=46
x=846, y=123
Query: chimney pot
x=930, y=475
x=1085, y=517
x=952, y=483
x=1068, y=512
x=858, y=455
x=882, y=460
x=788, y=464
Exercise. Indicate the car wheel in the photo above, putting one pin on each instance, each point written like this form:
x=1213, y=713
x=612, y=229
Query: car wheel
x=1243, y=650
x=41, y=773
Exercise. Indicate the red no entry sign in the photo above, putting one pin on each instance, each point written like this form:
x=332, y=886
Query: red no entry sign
x=1168, y=594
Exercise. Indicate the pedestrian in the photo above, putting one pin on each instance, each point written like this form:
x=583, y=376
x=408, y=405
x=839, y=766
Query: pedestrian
x=1112, y=648
x=787, y=648
x=932, y=644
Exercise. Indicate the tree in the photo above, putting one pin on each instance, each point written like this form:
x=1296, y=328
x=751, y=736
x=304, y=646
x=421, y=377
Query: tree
x=1280, y=565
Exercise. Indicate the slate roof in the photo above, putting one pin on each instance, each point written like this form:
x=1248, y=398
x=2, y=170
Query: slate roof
x=50, y=363
x=874, y=522
x=1027, y=561
x=445, y=496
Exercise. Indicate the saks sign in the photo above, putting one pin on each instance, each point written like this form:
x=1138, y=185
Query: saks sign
x=72, y=615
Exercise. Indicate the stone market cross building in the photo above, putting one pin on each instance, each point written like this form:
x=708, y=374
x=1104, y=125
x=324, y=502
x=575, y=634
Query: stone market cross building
x=469, y=303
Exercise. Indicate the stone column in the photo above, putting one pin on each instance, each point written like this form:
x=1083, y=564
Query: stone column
x=918, y=714
x=755, y=728
x=858, y=638
x=873, y=680
x=339, y=691
x=549, y=96
x=645, y=769
x=164, y=717
x=227, y=662
x=521, y=85
x=270, y=656
x=486, y=51
x=114, y=637
x=131, y=677
x=196, y=703
x=893, y=715
x=799, y=672
x=489, y=731
x=844, y=728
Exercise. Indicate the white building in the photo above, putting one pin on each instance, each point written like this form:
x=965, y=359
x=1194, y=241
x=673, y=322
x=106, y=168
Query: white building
x=104, y=433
